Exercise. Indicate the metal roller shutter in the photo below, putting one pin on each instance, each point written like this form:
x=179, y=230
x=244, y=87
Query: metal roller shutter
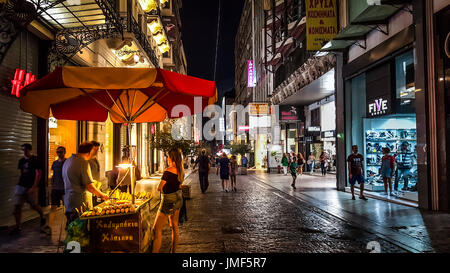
x=16, y=128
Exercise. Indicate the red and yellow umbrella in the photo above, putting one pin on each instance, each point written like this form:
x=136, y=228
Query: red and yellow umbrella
x=129, y=95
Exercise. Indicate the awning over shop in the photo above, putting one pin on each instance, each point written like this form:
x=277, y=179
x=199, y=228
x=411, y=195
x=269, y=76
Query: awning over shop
x=283, y=47
x=337, y=45
x=376, y=15
x=275, y=60
x=354, y=32
x=73, y=14
x=368, y=20
x=395, y=2
x=296, y=29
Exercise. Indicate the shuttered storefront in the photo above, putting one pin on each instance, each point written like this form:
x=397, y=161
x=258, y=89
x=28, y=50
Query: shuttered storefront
x=16, y=126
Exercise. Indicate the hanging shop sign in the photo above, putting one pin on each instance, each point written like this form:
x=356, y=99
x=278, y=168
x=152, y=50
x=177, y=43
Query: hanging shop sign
x=378, y=106
x=244, y=128
x=290, y=113
x=314, y=131
x=321, y=23
x=259, y=122
x=328, y=134
x=257, y=109
x=21, y=79
x=251, y=80
x=275, y=155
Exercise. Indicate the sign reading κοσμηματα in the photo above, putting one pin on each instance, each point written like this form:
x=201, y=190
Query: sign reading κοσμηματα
x=321, y=23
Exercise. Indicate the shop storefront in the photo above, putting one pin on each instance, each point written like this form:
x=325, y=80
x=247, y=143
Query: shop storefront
x=381, y=114
x=321, y=130
x=16, y=127
x=292, y=119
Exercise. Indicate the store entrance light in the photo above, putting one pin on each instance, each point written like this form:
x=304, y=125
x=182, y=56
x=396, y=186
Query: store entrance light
x=159, y=38
x=164, y=48
x=155, y=26
x=124, y=166
x=148, y=5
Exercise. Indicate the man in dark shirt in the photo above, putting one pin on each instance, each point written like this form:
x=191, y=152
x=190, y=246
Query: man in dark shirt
x=203, y=170
x=57, y=193
x=355, y=172
x=27, y=188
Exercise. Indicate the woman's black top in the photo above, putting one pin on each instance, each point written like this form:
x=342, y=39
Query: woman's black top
x=172, y=184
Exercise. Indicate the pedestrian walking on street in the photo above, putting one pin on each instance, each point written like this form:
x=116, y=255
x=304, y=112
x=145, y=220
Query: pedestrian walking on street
x=293, y=168
x=224, y=168
x=244, y=161
x=171, y=201
x=285, y=163
x=300, y=162
x=78, y=180
x=323, y=163
x=57, y=186
x=27, y=188
x=355, y=172
x=311, y=160
x=387, y=169
x=204, y=166
x=233, y=171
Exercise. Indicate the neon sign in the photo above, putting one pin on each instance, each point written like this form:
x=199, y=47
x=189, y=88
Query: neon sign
x=251, y=79
x=378, y=107
x=21, y=80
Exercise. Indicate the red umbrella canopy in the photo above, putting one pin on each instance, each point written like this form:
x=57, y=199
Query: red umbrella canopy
x=127, y=94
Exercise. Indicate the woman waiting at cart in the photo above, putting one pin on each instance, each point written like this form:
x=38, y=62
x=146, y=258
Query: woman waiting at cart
x=171, y=200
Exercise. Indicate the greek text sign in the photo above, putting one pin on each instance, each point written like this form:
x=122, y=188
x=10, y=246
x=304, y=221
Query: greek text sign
x=321, y=23
x=251, y=80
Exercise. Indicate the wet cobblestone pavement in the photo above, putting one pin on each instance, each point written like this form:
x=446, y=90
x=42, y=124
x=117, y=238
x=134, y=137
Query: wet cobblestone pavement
x=255, y=219
x=258, y=218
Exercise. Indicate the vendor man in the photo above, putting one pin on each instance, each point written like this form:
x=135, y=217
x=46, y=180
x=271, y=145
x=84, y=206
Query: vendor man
x=77, y=180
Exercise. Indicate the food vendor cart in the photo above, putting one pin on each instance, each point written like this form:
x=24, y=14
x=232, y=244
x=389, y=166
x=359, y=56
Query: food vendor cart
x=126, y=96
x=126, y=231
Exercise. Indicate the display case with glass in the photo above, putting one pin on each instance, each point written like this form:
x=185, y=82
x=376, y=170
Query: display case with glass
x=398, y=133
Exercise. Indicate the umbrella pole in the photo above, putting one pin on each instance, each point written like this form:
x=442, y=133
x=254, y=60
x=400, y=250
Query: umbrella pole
x=132, y=176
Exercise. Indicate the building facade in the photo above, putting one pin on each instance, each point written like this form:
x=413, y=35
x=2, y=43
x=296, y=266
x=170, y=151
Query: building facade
x=372, y=84
x=106, y=33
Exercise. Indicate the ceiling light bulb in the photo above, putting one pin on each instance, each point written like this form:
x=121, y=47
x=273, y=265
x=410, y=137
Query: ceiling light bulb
x=159, y=38
x=154, y=26
x=148, y=5
x=164, y=48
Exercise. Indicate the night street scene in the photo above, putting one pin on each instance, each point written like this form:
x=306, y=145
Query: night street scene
x=225, y=127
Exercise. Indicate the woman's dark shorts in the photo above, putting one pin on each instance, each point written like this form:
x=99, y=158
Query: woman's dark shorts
x=171, y=202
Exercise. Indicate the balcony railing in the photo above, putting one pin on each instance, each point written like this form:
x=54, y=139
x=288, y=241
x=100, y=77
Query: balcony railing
x=141, y=37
